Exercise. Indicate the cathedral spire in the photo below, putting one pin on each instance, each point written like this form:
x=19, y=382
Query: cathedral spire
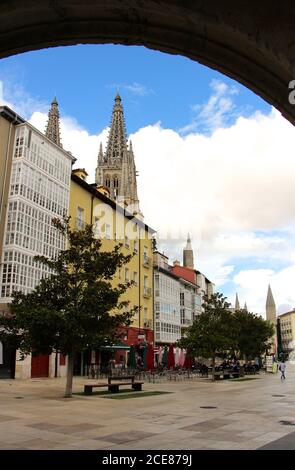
x=245, y=307
x=271, y=316
x=270, y=303
x=188, y=254
x=117, y=141
x=237, y=303
x=116, y=167
x=52, y=130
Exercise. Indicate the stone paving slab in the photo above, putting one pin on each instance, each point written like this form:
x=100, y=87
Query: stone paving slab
x=248, y=415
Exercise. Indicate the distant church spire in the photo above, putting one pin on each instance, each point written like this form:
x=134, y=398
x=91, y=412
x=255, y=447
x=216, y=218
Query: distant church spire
x=245, y=307
x=270, y=306
x=52, y=130
x=237, y=303
x=271, y=316
x=116, y=167
x=188, y=254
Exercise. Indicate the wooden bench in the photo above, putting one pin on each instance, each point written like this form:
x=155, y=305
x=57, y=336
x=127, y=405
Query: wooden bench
x=88, y=388
x=123, y=380
x=114, y=387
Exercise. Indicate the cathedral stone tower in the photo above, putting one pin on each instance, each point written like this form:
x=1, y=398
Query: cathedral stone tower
x=271, y=316
x=116, y=166
x=188, y=254
x=52, y=130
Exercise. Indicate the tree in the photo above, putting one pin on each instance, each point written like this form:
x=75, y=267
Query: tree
x=252, y=333
x=76, y=307
x=212, y=331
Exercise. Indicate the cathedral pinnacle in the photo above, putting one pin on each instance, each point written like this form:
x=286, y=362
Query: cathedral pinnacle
x=52, y=130
x=116, y=166
x=188, y=254
x=270, y=303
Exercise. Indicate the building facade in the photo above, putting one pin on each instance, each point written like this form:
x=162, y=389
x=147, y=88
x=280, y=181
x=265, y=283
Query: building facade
x=287, y=328
x=113, y=224
x=166, y=302
x=178, y=295
x=38, y=190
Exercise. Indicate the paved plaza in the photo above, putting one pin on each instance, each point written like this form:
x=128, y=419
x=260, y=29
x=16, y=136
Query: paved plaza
x=198, y=414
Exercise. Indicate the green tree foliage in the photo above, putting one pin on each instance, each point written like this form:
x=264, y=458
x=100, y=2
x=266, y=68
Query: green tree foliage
x=212, y=331
x=76, y=307
x=217, y=330
x=252, y=334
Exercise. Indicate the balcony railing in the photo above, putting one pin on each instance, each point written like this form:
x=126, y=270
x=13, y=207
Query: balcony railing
x=147, y=323
x=80, y=224
x=147, y=292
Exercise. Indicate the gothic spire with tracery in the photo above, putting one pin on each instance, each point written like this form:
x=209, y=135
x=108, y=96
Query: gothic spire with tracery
x=52, y=130
x=117, y=141
x=116, y=167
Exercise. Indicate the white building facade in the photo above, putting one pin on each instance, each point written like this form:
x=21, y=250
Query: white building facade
x=190, y=302
x=166, y=302
x=39, y=191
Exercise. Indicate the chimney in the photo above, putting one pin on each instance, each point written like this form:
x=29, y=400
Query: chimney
x=81, y=172
x=176, y=263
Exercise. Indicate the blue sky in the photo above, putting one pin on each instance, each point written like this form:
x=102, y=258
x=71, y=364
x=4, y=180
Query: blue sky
x=154, y=86
x=206, y=149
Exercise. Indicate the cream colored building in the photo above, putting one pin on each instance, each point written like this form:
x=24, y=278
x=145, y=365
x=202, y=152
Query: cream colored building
x=287, y=325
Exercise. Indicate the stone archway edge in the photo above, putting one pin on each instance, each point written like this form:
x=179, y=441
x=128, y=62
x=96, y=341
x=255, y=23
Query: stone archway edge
x=252, y=42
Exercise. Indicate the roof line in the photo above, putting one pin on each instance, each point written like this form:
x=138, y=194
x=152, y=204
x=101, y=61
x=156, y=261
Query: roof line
x=92, y=190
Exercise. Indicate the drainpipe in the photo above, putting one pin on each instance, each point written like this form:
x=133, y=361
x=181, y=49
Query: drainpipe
x=91, y=214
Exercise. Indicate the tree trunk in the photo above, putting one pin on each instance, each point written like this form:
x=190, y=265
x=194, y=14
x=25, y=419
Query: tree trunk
x=70, y=371
x=213, y=367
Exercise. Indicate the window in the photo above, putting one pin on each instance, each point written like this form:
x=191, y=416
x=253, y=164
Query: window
x=145, y=256
x=126, y=275
x=157, y=281
x=182, y=298
x=135, y=278
x=108, y=181
x=108, y=231
x=126, y=242
x=80, y=218
x=116, y=182
x=96, y=231
x=136, y=246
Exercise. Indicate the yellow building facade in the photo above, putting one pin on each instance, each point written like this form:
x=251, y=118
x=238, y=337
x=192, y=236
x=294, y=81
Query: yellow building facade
x=113, y=224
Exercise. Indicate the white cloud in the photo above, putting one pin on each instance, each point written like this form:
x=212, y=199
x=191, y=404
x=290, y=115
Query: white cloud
x=135, y=88
x=232, y=190
x=16, y=97
x=216, y=111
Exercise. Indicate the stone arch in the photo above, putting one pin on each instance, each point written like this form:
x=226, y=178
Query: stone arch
x=252, y=42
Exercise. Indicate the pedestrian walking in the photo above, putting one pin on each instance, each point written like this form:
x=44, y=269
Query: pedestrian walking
x=282, y=368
